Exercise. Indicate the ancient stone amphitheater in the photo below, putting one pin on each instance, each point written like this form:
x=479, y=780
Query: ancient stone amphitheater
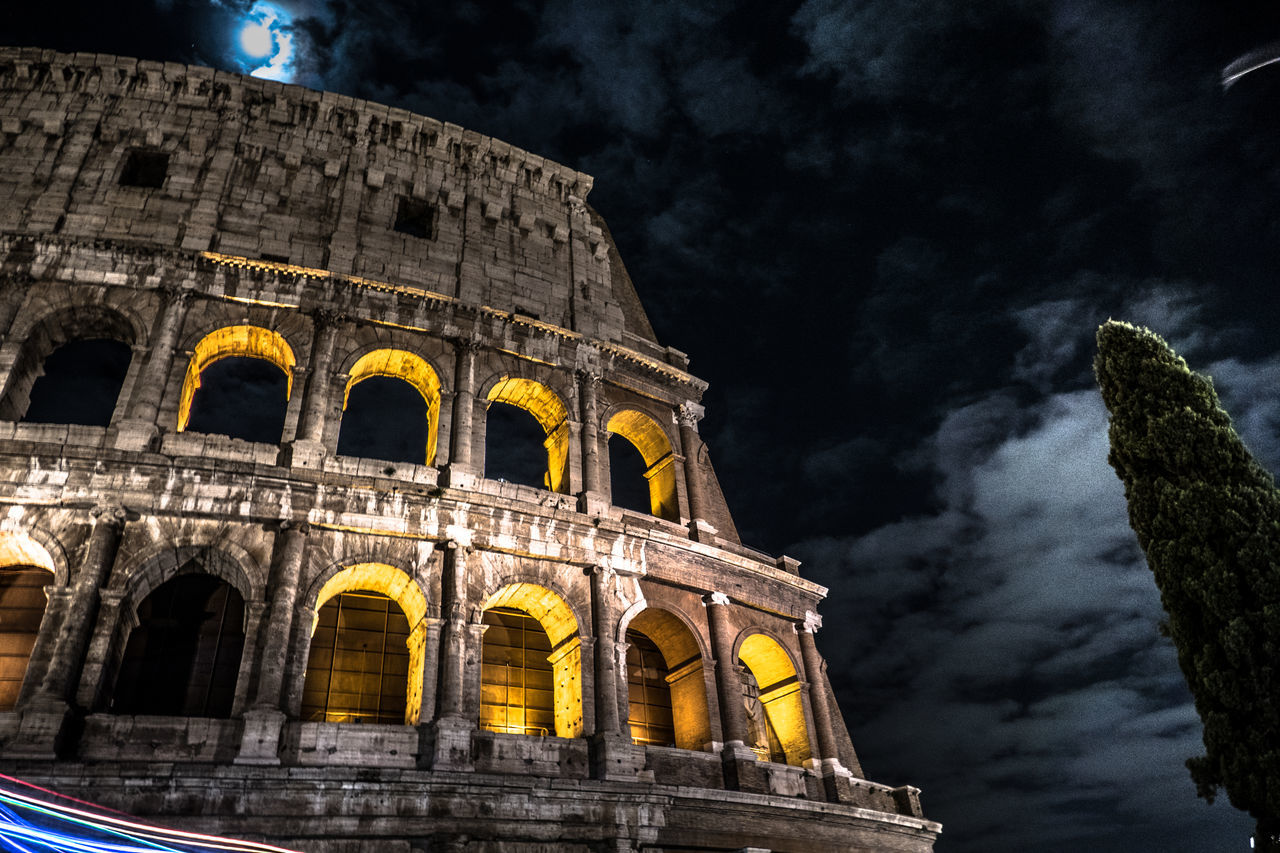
x=229, y=603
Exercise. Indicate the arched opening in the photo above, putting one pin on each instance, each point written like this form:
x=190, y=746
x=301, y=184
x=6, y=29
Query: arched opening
x=183, y=656
x=80, y=383
x=627, y=484
x=771, y=693
x=667, y=688
x=26, y=568
x=509, y=439
x=244, y=376
x=531, y=664
x=648, y=439
x=391, y=408
x=367, y=648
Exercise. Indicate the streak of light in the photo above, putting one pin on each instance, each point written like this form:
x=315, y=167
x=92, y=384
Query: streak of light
x=1251, y=61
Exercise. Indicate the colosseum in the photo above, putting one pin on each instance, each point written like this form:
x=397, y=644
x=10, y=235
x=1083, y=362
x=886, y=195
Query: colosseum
x=348, y=502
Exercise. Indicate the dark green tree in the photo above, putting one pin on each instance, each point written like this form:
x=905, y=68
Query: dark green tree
x=1208, y=517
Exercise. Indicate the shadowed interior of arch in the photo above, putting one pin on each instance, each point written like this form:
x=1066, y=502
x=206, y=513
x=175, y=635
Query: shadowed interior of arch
x=367, y=648
x=531, y=664
x=238, y=383
x=666, y=682
x=627, y=484
x=391, y=408
x=658, y=469
x=80, y=383
x=183, y=656
x=514, y=449
x=771, y=693
x=25, y=569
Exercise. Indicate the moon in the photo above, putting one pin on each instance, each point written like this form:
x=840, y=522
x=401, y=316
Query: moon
x=266, y=42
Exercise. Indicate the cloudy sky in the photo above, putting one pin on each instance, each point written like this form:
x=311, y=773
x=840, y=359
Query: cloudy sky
x=909, y=217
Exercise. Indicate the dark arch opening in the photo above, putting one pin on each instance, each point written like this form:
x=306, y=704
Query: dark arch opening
x=517, y=689
x=183, y=658
x=22, y=603
x=627, y=482
x=80, y=384
x=241, y=397
x=514, y=446
x=358, y=668
x=648, y=694
x=385, y=419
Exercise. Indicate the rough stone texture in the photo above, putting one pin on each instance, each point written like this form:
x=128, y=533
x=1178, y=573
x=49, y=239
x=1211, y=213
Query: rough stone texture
x=277, y=210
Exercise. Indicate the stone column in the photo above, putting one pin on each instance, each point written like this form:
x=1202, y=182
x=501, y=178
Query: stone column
x=606, y=673
x=460, y=473
x=265, y=718
x=741, y=770
x=691, y=445
x=46, y=717
x=592, y=499
x=307, y=450
x=836, y=778
x=139, y=429
x=447, y=745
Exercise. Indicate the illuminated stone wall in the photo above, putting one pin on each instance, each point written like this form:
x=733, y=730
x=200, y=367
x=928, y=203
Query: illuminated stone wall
x=335, y=241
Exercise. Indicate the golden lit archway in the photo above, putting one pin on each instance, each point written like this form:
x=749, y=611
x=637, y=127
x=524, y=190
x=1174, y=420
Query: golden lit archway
x=550, y=413
x=683, y=678
x=778, y=697
x=509, y=712
x=652, y=443
x=405, y=593
x=406, y=366
x=26, y=567
x=228, y=342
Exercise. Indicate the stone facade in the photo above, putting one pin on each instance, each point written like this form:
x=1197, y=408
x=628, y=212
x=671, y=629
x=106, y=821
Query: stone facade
x=196, y=216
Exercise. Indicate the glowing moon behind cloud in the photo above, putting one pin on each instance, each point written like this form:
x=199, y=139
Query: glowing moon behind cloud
x=266, y=43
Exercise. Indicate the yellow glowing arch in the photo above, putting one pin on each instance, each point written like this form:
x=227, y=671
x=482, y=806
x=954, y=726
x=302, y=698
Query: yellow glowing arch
x=228, y=342
x=647, y=437
x=686, y=680
x=547, y=408
x=555, y=617
x=23, y=561
x=399, y=364
x=779, y=693
x=19, y=549
x=400, y=588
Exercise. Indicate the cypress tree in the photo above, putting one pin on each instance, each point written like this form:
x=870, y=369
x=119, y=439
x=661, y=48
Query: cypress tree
x=1208, y=517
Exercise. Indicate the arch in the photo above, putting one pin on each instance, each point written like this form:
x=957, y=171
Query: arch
x=654, y=446
x=557, y=622
x=549, y=411
x=408, y=367
x=50, y=332
x=156, y=566
x=405, y=593
x=182, y=657
x=777, y=685
x=684, y=676
x=26, y=567
x=229, y=342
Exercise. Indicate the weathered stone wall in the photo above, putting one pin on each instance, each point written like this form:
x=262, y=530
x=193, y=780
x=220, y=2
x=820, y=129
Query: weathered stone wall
x=272, y=236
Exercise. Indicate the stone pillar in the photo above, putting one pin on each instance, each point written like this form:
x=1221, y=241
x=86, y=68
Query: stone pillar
x=691, y=445
x=446, y=743
x=307, y=450
x=836, y=778
x=46, y=717
x=460, y=472
x=613, y=754
x=741, y=770
x=592, y=499
x=264, y=720
x=429, y=629
x=139, y=430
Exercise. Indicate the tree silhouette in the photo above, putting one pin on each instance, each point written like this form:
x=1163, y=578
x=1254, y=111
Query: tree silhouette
x=1208, y=517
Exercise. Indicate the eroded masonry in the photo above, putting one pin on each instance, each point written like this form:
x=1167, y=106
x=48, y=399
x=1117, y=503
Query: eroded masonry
x=228, y=601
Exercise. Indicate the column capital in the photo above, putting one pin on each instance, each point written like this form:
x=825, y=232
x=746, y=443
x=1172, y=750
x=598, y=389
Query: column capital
x=176, y=294
x=690, y=413
x=112, y=514
x=715, y=598
x=588, y=377
x=812, y=622
x=296, y=525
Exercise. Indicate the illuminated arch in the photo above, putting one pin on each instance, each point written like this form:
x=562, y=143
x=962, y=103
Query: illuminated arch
x=407, y=595
x=685, y=678
x=234, y=341
x=551, y=612
x=550, y=413
x=648, y=438
x=406, y=366
x=779, y=685
x=26, y=567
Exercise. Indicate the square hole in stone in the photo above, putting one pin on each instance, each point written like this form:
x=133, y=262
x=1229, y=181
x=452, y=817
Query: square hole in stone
x=413, y=217
x=145, y=168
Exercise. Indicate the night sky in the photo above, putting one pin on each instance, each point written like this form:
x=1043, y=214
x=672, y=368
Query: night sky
x=885, y=231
